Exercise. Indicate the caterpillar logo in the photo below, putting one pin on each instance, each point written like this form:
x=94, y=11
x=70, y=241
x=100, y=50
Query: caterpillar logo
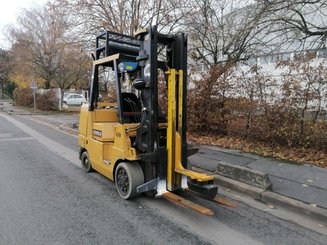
x=97, y=133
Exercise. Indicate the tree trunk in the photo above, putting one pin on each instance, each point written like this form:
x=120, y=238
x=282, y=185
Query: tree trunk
x=47, y=83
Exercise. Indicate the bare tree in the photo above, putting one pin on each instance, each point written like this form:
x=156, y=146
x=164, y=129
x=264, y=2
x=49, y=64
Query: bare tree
x=126, y=16
x=44, y=39
x=298, y=24
x=224, y=32
x=40, y=34
x=73, y=70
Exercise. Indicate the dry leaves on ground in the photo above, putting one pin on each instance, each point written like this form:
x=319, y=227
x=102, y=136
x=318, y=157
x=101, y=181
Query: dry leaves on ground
x=300, y=156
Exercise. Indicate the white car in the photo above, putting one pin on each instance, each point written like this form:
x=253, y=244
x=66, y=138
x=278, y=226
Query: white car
x=73, y=99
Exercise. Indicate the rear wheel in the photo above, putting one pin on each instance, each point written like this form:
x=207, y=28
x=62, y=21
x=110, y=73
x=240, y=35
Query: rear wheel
x=86, y=164
x=128, y=176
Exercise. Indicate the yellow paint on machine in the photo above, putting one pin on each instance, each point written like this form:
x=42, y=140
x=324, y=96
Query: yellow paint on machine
x=175, y=168
x=171, y=128
x=105, y=139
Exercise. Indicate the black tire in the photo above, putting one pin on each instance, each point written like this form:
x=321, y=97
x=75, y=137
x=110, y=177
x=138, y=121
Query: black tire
x=128, y=176
x=86, y=163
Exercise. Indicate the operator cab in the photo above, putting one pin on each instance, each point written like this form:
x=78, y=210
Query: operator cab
x=114, y=69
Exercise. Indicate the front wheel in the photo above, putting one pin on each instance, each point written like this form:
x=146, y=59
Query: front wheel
x=86, y=164
x=128, y=176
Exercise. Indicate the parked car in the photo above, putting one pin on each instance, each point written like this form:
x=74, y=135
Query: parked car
x=73, y=99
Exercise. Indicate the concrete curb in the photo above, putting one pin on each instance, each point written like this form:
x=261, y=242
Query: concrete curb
x=69, y=130
x=296, y=205
x=15, y=112
x=237, y=186
x=245, y=175
x=276, y=199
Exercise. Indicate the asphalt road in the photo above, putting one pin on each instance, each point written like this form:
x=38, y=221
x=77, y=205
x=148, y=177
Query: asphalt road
x=46, y=198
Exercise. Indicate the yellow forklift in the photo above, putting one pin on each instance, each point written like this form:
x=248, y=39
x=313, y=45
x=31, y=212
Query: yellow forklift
x=128, y=138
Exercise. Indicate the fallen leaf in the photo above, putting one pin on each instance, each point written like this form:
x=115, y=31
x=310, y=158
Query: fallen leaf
x=294, y=154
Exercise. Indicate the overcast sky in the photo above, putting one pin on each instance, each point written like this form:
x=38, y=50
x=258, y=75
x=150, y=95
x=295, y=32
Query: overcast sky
x=9, y=11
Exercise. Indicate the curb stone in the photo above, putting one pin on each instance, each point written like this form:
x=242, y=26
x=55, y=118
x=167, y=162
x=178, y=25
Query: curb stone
x=270, y=197
x=296, y=205
x=69, y=130
x=252, y=191
x=244, y=174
